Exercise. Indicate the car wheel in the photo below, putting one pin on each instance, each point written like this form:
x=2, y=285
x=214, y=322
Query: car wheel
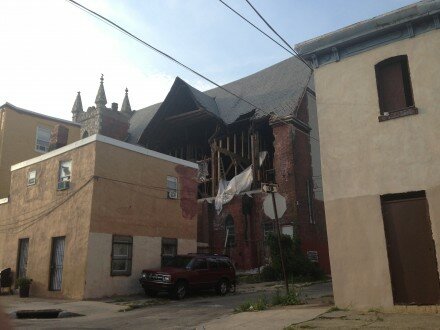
x=180, y=290
x=222, y=287
x=150, y=293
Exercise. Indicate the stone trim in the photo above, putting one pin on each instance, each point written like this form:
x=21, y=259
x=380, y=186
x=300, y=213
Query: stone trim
x=370, y=40
x=399, y=113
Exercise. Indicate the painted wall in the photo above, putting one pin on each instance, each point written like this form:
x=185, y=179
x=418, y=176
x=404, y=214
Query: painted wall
x=17, y=141
x=40, y=212
x=130, y=198
x=363, y=158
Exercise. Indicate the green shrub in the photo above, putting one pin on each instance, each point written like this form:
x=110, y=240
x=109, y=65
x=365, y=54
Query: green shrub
x=268, y=273
x=295, y=262
x=285, y=299
x=23, y=282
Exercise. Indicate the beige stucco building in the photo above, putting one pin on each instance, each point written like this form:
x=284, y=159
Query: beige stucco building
x=94, y=214
x=377, y=85
x=25, y=134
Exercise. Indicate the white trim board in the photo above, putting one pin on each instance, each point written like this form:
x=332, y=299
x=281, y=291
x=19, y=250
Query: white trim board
x=107, y=140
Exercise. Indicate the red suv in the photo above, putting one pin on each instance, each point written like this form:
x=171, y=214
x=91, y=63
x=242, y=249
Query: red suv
x=187, y=272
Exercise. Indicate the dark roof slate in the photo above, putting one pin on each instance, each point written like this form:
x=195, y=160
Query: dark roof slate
x=139, y=121
x=277, y=89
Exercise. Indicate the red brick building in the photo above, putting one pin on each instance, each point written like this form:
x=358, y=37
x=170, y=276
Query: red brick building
x=269, y=135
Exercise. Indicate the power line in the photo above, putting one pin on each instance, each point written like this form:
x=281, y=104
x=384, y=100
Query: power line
x=121, y=29
x=256, y=27
x=274, y=31
x=44, y=214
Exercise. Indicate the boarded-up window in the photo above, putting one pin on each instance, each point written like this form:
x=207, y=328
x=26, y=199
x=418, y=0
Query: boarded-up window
x=394, y=84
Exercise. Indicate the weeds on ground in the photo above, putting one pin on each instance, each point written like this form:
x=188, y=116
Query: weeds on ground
x=259, y=305
x=291, y=298
x=129, y=306
x=374, y=310
x=337, y=309
x=278, y=299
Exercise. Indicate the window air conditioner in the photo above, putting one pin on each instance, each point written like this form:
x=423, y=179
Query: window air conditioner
x=172, y=194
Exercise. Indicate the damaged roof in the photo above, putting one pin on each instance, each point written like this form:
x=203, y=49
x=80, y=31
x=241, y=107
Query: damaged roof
x=277, y=89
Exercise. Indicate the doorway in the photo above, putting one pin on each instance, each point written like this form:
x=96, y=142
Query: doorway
x=23, y=248
x=56, y=264
x=411, y=250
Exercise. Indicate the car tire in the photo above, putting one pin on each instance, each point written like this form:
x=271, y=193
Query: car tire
x=180, y=290
x=222, y=287
x=150, y=293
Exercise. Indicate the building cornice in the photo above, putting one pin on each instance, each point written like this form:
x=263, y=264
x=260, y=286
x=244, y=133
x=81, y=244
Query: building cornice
x=10, y=106
x=106, y=140
x=405, y=23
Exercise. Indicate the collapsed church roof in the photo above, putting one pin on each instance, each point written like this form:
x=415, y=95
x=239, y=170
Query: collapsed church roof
x=277, y=89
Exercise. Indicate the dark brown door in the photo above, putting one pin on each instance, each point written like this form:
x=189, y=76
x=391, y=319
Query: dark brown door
x=411, y=249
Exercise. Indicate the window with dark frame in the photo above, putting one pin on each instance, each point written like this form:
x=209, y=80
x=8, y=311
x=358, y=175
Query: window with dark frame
x=42, y=139
x=394, y=86
x=122, y=250
x=310, y=201
x=230, y=231
x=169, y=249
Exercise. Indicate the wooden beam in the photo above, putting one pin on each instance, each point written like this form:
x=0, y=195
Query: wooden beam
x=194, y=113
x=233, y=156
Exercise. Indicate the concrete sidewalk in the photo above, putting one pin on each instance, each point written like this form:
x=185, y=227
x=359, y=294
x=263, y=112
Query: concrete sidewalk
x=275, y=318
x=13, y=303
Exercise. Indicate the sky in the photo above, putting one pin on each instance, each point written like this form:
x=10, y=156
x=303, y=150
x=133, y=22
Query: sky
x=50, y=49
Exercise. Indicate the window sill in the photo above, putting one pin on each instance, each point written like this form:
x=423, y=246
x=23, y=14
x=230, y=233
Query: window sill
x=399, y=113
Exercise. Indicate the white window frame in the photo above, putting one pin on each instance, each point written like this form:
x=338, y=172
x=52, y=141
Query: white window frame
x=39, y=146
x=32, y=181
x=172, y=193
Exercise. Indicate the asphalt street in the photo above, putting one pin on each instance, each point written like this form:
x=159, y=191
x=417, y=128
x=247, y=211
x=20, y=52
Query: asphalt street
x=186, y=314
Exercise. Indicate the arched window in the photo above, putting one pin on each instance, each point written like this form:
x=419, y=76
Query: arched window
x=230, y=231
x=85, y=134
x=394, y=84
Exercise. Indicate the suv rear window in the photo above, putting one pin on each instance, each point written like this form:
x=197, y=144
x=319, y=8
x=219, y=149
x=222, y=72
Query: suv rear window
x=224, y=264
x=179, y=262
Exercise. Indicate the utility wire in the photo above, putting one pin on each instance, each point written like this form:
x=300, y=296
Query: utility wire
x=44, y=214
x=121, y=29
x=256, y=27
x=274, y=31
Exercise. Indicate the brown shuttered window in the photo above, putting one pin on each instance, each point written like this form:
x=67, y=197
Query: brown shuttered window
x=394, y=84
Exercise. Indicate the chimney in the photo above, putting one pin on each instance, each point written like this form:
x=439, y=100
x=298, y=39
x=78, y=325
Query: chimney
x=114, y=106
x=58, y=137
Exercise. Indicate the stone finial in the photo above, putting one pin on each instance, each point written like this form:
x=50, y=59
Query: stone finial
x=101, y=100
x=77, y=107
x=126, y=107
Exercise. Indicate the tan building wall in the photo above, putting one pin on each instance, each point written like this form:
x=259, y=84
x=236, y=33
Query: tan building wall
x=114, y=191
x=130, y=199
x=363, y=158
x=18, y=132
x=40, y=212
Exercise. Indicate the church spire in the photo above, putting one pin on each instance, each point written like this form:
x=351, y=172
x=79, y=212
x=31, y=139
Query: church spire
x=126, y=107
x=101, y=100
x=77, y=107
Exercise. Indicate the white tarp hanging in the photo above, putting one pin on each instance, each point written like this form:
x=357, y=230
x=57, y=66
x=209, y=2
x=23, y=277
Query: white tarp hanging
x=238, y=184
